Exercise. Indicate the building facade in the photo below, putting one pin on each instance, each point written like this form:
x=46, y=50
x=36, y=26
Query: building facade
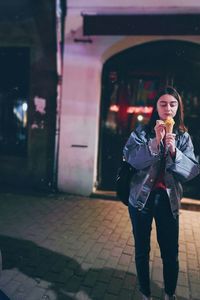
x=28, y=93
x=78, y=76
x=116, y=56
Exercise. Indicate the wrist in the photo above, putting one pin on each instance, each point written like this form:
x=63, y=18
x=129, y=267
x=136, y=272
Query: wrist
x=173, y=153
x=158, y=140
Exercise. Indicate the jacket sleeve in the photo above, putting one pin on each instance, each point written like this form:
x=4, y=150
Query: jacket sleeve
x=184, y=165
x=139, y=153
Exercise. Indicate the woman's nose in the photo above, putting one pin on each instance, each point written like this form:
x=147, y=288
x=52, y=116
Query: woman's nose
x=168, y=106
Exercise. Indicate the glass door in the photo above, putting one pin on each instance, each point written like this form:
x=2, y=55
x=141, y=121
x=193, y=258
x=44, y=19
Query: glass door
x=128, y=103
x=130, y=82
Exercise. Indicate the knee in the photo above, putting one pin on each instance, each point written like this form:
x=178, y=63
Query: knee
x=169, y=254
x=170, y=259
x=142, y=255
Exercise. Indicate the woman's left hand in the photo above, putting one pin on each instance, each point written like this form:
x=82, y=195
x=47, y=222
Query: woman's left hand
x=170, y=143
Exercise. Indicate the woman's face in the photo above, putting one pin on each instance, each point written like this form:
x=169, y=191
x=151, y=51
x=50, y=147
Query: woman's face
x=167, y=106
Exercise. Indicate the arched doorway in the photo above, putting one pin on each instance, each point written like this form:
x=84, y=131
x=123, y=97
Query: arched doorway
x=130, y=82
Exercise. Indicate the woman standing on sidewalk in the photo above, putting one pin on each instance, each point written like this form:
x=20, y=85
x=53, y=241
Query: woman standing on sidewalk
x=163, y=160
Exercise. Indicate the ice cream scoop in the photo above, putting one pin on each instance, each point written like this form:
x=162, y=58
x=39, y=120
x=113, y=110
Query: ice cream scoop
x=169, y=124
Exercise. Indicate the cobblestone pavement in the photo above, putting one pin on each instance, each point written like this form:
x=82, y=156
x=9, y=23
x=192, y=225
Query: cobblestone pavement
x=68, y=247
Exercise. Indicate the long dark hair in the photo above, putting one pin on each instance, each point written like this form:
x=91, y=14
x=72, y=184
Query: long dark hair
x=179, y=117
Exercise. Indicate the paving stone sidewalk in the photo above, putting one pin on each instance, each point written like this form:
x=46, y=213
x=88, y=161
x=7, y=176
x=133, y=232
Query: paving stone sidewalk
x=62, y=247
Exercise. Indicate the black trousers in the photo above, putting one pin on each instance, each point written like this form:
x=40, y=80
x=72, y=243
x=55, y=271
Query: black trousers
x=167, y=228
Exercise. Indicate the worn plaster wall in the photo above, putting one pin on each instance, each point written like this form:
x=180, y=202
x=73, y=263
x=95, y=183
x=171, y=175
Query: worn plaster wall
x=32, y=24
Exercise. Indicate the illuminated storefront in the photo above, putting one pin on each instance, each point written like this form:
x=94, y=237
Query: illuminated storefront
x=129, y=92
x=116, y=57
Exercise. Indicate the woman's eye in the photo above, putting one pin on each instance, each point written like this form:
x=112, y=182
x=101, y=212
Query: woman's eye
x=165, y=104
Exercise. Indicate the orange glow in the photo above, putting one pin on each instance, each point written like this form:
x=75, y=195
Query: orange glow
x=139, y=109
x=114, y=108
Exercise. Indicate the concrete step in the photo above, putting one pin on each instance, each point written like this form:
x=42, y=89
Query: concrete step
x=186, y=203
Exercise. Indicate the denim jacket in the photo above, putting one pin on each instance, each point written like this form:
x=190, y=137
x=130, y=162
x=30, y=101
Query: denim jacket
x=142, y=153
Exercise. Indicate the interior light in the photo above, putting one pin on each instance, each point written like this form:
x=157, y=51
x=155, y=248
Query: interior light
x=24, y=106
x=140, y=118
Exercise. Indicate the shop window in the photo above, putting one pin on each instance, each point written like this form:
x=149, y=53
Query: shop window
x=126, y=104
x=130, y=103
x=14, y=91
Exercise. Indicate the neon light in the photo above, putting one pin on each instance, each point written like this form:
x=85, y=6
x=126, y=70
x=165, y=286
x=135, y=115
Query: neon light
x=133, y=109
x=139, y=109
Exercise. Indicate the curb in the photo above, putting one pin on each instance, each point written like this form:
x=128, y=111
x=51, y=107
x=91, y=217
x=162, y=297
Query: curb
x=186, y=203
x=190, y=204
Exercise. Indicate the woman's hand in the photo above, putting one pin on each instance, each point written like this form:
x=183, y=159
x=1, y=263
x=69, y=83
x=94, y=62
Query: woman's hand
x=170, y=143
x=160, y=131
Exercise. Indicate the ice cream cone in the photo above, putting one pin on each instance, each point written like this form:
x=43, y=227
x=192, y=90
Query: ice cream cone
x=160, y=122
x=169, y=124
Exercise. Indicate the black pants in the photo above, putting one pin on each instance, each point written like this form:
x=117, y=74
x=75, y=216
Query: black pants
x=167, y=228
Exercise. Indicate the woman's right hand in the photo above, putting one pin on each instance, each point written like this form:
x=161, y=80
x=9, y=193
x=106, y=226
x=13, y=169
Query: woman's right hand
x=160, y=131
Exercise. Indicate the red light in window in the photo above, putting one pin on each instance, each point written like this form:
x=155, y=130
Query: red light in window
x=133, y=109
x=139, y=109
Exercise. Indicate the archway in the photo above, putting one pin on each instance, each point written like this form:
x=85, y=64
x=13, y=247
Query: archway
x=130, y=81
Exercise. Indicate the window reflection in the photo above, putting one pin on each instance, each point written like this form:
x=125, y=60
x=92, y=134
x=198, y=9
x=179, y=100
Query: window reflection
x=20, y=112
x=130, y=103
x=14, y=91
x=13, y=124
